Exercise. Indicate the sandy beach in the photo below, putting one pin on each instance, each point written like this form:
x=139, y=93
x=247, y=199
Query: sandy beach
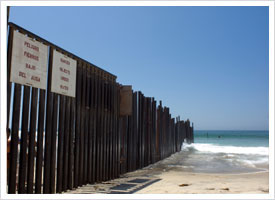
x=178, y=182
x=208, y=172
x=191, y=171
x=167, y=177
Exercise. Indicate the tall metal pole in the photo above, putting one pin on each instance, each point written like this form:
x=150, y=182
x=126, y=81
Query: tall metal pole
x=8, y=14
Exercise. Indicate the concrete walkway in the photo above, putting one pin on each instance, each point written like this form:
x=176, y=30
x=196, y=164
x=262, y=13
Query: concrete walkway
x=127, y=184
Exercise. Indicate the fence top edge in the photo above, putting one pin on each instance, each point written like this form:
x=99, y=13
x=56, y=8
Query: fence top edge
x=22, y=30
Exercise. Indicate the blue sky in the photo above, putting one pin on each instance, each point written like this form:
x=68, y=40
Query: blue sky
x=208, y=64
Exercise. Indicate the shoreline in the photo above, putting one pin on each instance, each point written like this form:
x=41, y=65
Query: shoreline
x=240, y=173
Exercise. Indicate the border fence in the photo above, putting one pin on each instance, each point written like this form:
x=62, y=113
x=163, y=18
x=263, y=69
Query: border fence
x=59, y=142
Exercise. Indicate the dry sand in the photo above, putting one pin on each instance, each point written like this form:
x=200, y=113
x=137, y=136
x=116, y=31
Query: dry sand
x=179, y=182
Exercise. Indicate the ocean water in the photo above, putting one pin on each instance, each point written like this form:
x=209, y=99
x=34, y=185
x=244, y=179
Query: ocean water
x=227, y=151
x=230, y=152
x=233, y=138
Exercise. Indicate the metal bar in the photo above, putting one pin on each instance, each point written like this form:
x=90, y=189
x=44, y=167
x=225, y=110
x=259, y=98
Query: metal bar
x=77, y=125
x=40, y=137
x=46, y=183
x=128, y=144
x=14, y=140
x=99, y=129
x=8, y=13
x=108, y=132
x=10, y=44
x=157, y=132
x=48, y=132
x=23, y=141
x=114, y=141
x=147, y=131
x=60, y=144
x=139, y=131
x=150, y=130
x=120, y=135
x=108, y=135
x=165, y=131
x=135, y=131
x=104, y=131
x=154, y=131
x=115, y=125
x=101, y=106
x=90, y=125
x=53, y=145
x=111, y=131
x=94, y=120
x=97, y=122
x=66, y=144
x=160, y=130
x=117, y=130
x=71, y=144
x=123, y=157
x=82, y=129
x=86, y=122
x=143, y=130
x=85, y=147
x=31, y=152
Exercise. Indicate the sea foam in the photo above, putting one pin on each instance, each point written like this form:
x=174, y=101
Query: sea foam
x=212, y=148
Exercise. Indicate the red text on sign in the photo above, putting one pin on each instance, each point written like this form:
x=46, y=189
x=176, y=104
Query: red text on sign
x=35, y=78
x=64, y=70
x=64, y=87
x=64, y=79
x=30, y=66
x=65, y=61
x=22, y=74
x=29, y=55
x=31, y=46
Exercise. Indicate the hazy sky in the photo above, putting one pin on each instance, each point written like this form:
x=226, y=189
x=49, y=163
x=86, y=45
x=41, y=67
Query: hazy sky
x=208, y=64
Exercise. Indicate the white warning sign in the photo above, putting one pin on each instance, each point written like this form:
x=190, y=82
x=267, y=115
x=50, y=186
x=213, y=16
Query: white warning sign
x=63, y=74
x=28, y=61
